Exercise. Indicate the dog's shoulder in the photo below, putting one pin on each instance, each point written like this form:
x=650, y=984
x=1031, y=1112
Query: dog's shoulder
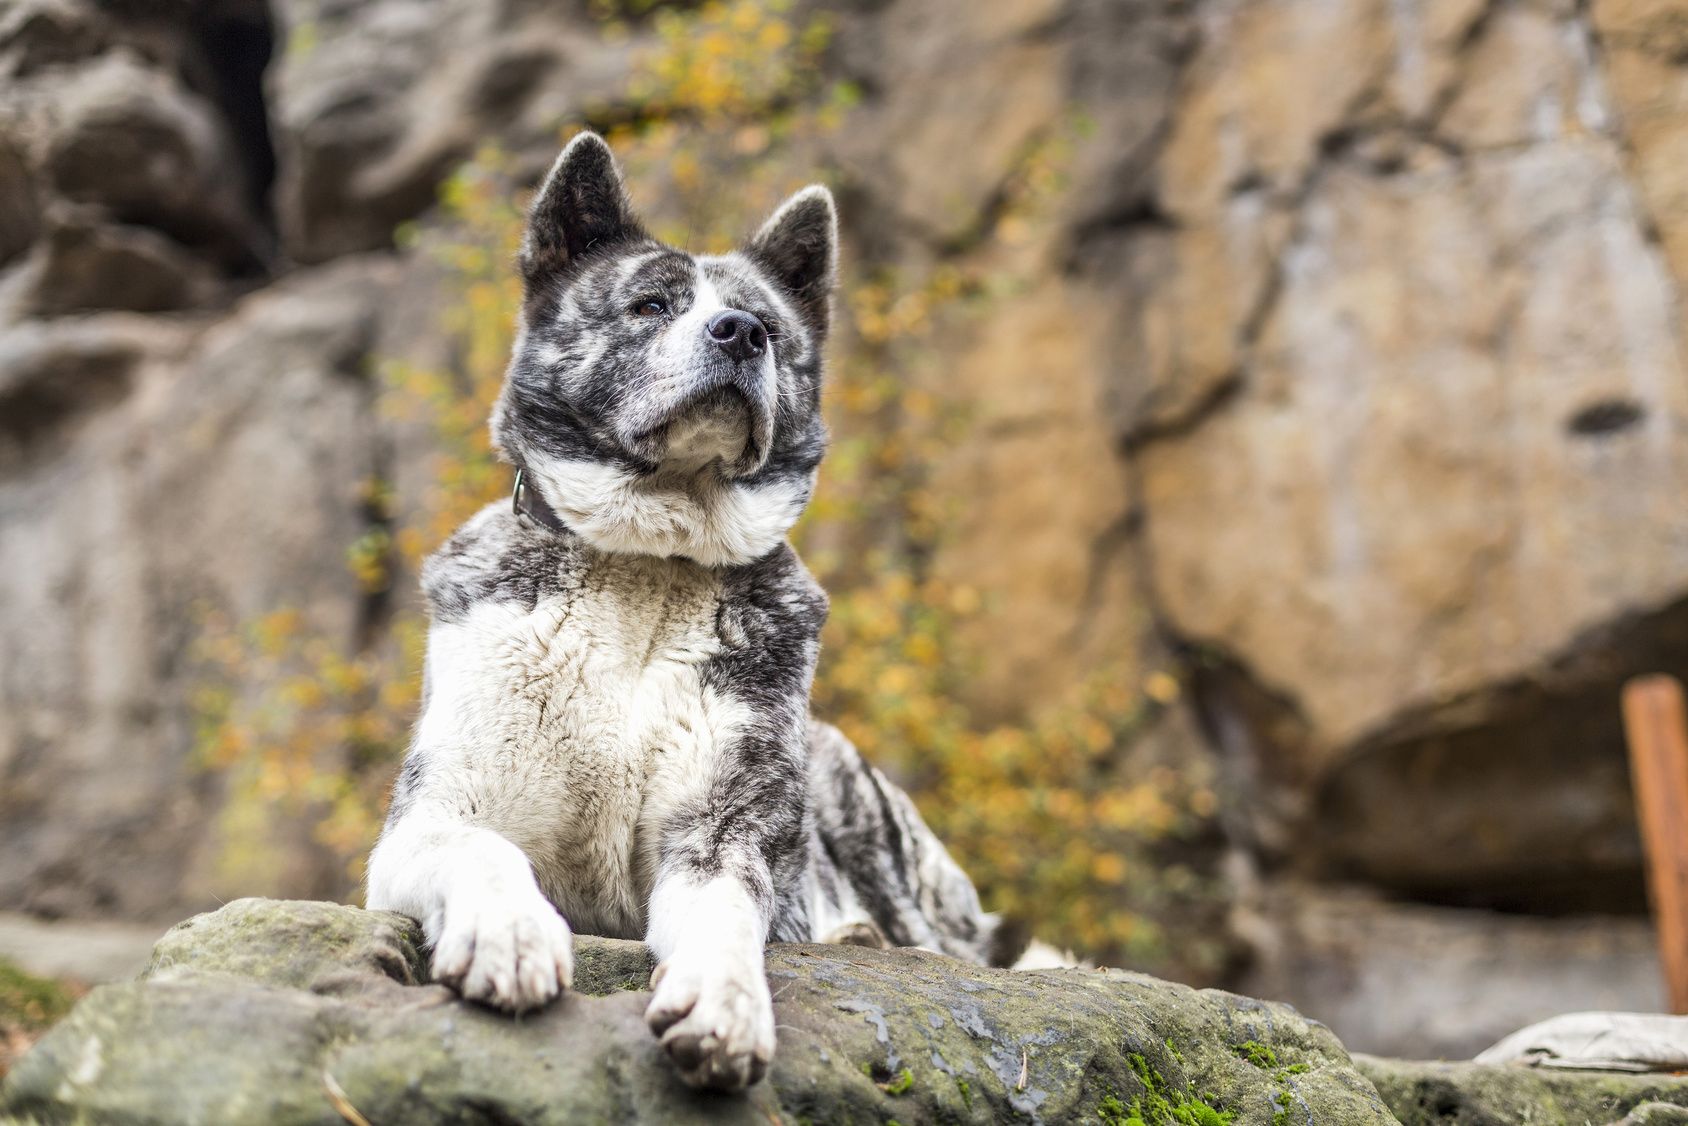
x=775, y=594
x=497, y=556
x=770, y=623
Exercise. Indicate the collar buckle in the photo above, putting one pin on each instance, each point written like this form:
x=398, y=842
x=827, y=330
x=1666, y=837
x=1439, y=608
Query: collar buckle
x=527, y=502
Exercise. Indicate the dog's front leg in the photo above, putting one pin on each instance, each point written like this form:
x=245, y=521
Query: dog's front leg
x=711, y=1005
x=723, y=857
x=730, y=854
x=495, y=937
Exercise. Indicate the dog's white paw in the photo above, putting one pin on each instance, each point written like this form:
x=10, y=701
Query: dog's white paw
x=715, y=1018
x=511, y=951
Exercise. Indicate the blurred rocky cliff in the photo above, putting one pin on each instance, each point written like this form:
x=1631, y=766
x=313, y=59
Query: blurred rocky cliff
x=1341, y=388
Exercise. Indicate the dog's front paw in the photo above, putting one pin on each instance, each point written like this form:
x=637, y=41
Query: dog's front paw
x=715, y=1018
x=511, y=951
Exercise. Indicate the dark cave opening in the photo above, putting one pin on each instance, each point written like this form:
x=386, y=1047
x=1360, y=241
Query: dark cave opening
x=236, y=42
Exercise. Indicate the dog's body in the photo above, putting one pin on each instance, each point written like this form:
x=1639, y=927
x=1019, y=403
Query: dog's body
x=615, y=722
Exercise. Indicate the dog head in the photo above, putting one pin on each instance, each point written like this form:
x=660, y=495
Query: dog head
x=663, y=403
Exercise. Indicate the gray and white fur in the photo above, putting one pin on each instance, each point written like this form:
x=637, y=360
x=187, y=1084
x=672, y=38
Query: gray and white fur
x=615, y=733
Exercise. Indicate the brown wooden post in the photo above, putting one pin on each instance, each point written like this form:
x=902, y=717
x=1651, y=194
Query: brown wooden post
x=1656, y=725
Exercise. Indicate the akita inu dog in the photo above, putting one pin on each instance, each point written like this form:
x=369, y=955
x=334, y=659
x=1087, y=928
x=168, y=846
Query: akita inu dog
x=615, y=732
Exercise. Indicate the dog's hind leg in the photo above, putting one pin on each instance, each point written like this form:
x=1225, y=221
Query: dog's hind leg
x=896, y=870
x=856, y=934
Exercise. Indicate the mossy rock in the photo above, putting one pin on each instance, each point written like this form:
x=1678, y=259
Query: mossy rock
x=255, y=1013
x=1471, y=1094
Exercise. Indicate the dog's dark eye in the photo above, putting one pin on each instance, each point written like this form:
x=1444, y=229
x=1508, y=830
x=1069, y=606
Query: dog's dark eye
x=649, y=307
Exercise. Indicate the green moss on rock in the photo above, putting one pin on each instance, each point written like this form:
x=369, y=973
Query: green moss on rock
x=1161, y=1105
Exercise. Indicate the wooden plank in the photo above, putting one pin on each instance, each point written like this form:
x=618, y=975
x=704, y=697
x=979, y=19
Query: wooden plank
x=1656, y=726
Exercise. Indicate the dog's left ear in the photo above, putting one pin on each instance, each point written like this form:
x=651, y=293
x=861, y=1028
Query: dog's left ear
x=798, y=246
x=581, y=205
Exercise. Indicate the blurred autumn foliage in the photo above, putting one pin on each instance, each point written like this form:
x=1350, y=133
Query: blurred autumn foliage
x=1045, y=813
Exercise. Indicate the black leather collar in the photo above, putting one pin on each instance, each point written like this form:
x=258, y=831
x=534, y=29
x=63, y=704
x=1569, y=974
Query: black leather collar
x=526, y=501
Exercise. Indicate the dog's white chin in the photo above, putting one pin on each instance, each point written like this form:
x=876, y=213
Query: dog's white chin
x=702, y=516
x=722, y=435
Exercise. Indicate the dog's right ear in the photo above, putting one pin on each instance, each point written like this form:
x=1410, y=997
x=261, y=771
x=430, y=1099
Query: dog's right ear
x=581, y=205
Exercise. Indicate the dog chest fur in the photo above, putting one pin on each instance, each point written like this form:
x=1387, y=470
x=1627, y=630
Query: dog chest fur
x=569, y=711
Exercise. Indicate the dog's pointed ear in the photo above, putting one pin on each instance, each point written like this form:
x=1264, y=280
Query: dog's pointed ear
x=580, y=205
x=798, y=247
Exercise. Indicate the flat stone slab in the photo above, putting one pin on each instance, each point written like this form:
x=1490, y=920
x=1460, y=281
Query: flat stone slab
x=291, y=1012
x=1474, y=1094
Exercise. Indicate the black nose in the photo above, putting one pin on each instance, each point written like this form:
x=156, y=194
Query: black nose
x=738, y=334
